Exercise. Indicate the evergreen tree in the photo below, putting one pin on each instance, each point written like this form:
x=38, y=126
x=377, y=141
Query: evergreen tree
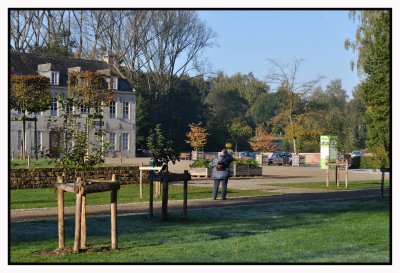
x=373, y=41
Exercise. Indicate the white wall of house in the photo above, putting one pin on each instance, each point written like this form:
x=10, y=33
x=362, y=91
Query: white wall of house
x=124, y=128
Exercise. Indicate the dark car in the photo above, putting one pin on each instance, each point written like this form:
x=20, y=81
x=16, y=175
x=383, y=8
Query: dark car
x=286, y=158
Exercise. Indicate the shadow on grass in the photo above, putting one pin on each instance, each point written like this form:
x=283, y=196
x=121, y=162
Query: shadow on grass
x=202, y=224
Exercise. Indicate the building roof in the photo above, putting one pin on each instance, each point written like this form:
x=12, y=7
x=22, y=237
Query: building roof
x=27, y=64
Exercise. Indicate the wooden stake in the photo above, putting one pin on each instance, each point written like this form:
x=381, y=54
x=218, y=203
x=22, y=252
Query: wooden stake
x=141, y=183
x=337, y=175
x=78, y=210
x=151, y=199
x=114, y=236
x=158, y=188
x=327, y=176
x=114, y=196
x=347, y=172
x=60, y=205
x=83, y=223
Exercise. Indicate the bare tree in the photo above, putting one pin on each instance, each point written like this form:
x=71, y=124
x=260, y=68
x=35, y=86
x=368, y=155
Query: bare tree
x=20, y=29
x=161, y=44
x=180, y=37
x=94, y=27
x=78, y=23
x=286, y=76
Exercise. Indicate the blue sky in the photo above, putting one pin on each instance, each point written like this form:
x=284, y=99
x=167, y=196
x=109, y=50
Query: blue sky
x=248, y=38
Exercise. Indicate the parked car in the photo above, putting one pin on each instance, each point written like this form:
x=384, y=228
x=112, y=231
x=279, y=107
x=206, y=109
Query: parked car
x=357, y=153
x=287, y=157
x=247, y=155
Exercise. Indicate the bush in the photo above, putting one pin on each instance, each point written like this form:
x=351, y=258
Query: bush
x=201, y=163
x=370, y=162
x=380, y=158
x=251, y=162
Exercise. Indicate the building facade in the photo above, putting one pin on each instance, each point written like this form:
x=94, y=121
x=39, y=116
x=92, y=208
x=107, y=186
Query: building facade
x=118, y=117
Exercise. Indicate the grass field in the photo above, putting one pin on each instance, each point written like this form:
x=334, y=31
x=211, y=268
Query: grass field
x=329, y=231
x=47, y=197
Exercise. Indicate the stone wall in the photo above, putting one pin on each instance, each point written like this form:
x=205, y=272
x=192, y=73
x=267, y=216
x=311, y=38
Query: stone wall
x=45, y=177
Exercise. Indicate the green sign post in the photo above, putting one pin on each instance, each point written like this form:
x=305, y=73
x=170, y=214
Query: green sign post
x=328, y=152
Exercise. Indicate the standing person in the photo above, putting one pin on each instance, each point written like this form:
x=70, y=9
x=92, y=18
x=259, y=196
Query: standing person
x=221, y=172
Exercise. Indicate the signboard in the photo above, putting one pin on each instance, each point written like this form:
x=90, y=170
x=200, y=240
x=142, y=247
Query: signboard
x=328, y=151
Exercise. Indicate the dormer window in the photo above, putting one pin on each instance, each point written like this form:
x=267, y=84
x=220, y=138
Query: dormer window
x=54, y=78
x=113, y=83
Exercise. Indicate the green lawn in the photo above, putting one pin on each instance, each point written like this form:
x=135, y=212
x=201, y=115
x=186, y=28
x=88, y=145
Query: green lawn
x=41, y=163
x=352, y=185
x=328, y=231
x=42, y=198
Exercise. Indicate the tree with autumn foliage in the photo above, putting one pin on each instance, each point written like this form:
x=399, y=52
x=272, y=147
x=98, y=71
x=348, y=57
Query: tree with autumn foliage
x=29, y=94
x=262, y=140
x=197, y=136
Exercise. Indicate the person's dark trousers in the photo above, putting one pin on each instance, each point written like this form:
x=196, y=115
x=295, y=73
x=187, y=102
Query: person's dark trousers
x=223, y=190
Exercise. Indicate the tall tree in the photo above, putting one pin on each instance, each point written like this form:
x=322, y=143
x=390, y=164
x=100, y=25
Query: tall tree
x=286, y=76
x=179, y=39
x=267, y=106
x=223, y=106
x=373, y=43
x=356, y=112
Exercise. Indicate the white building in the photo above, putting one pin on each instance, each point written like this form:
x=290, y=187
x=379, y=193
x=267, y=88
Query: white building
x=119, y=116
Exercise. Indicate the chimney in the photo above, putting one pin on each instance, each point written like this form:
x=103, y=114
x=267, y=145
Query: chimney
x=108, y=59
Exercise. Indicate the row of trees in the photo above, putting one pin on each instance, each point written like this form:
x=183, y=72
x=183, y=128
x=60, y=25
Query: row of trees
x=156, y=49
x=165, y=43
x=238, y=108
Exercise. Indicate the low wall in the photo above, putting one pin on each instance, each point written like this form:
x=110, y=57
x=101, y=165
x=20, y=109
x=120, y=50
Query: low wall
x=311, y=158
x=35, y=178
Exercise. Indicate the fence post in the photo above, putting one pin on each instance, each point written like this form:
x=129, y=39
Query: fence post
x=327, y=176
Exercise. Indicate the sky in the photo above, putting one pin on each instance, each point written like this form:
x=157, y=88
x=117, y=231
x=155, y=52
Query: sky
x=246, y=39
